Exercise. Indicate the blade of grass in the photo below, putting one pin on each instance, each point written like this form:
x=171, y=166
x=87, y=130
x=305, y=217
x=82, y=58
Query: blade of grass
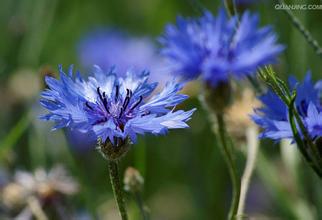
x=306, y=34
x=14, y=135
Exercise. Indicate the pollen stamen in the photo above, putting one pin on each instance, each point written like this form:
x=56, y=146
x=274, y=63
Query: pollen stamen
x=99, y=93
x=127, y=98
x=88, y=106
x=126, y=102
x=116, y=92
x=120, y=115
x=137, y=103
x=103, y=99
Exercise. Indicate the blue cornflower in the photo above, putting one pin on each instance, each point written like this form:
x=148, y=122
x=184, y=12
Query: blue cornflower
x=314, y=121
x=112, y=108
x=108, y=47
x=217, y=48
x=245, y=2
x=273, y=116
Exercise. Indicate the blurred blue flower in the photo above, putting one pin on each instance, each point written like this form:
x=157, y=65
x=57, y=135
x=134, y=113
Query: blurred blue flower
x=245, y=2
x=112, y=107
x=273, y=116
x=79, y=141
x=110, y=48
x=314, y=121
x=217, y=48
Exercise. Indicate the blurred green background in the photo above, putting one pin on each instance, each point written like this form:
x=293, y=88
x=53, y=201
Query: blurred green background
x=185, y=175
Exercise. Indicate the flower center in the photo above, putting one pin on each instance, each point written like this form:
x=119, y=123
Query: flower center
x=116, y=107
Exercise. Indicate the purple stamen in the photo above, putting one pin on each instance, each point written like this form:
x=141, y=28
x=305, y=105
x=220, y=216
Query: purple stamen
x=88, y=106
x=137, y=103
x=99, y=93
x=116, y=93
x=126, y=102
x=103, y=99
x=120, y=115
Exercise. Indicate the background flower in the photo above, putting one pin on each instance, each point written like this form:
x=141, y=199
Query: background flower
x=218, y=48
x=273, y=116
x=109, y=48
x=44, y=189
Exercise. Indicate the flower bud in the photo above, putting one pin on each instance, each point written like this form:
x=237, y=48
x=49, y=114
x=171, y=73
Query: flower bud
x=133, y=181
x=14, y=196
x=114, y=151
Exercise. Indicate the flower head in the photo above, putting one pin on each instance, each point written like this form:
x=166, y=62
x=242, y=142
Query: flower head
x=41, y=184
x=273, y=116
x=217, y=48
x=314, y=120
x=113, y=108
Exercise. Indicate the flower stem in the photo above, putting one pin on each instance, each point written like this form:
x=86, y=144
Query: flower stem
x=36, y=209
x=252, y=150
x=226, y=4
x=231, y=166
x=143, y=209
x=117, y=188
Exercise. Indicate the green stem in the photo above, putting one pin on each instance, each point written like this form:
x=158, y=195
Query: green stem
x=301, y=145
x=231, y=166
x=252, y=150
x=117, y=188
x=15, y=133
x=235, y=9
x=231, y=9
x=312, y=146
x=143, y=210
x=226, y=4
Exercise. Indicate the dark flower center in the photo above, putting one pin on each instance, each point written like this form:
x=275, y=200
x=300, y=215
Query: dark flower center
x=115, y=107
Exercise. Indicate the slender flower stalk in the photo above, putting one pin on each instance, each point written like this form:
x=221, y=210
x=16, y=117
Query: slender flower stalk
x=226, y=4
x=117, y=188
x=36, y=209
x=216, y=111
x=133, y=183
x=233, y=4
x=143, y=209
x=231, y=164
x=252, y=149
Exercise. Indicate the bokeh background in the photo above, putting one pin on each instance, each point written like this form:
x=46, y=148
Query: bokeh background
x=185, y=175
